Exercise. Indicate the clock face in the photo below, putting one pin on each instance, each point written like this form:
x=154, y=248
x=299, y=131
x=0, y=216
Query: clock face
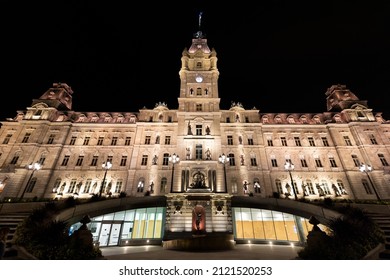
x=199, y=79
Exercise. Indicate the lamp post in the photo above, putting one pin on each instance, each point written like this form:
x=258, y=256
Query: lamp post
x=34, y=167
x=224, y=159
x=106, y=166
x=174, y=159
x=366, y=169
x=289, y=167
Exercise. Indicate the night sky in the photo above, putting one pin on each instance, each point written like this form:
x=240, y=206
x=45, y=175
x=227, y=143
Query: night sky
x=277, y=56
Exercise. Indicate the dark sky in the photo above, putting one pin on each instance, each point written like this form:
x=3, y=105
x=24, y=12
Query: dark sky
x=279, y=56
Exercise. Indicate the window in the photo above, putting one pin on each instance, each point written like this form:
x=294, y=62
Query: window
x=72, y=140
x=311, y=141
x=383, y=160
x=270, y=142
x=114, y=141
x=118, y=186
x=253, y=160
x=31, y=185
x=309, y=186
x=26, y=137
x=109, y=158
x=94, y=160
x=147, y=140
x=86, y=141
x=165, y=159
x=325, y=141
x=230, y=140
x=228, y=120
x=141, y=184
x=283, y=140
x=250, y=141
x=340, y=184
x=232, y=161
x=356, y=161
x=347, y=140
x=100, y=141
x=373, y=140
x=56, y=185
x=127, y=141
x=325, y=187
x=14, y=159
x=65, y=161
x=198, y=107
x=41, y=160
x=274, y=162
x=80, y=161
x=297, y=141
x=303, y=162
x=163, y=184
x=144, y=160
x=167, y=140
x=332, y=162
x=198, y=91
x=72, y=186
x=7, y=138
x=278, y=185
x=366, y=186
x=198, y=151
x=123, y=161
x=51, y=139
x=87, y=187
x=198, y=128
x=318, y=162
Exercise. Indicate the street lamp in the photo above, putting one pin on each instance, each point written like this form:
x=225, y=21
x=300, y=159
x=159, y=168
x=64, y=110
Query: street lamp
x=224, y=159
x=34, y=167
x=366, y=169
x=106, y=165
x=289, y=167
x=174, y=159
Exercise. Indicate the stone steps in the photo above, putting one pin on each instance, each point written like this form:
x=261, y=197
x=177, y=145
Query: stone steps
x=12, y=221
x=383, y=221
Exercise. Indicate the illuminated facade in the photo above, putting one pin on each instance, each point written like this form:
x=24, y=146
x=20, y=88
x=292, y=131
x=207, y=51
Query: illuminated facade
x=198, y=156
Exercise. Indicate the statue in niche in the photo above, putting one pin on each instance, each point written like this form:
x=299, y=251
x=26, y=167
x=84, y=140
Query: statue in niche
x=242, y=159
x=198, y=220
x=208, y=154
x=154, y=160
x=246, y=187
x=189, y=132
x=188, y=153
x=207, y=130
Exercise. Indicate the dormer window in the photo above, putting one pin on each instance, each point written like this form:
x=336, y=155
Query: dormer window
x=199, y=64
x=360, y=115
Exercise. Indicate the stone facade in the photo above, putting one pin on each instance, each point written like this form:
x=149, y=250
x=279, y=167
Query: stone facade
x=326, y=148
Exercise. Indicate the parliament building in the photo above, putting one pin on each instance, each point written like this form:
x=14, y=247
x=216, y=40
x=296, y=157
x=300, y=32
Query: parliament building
x=166, y=173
